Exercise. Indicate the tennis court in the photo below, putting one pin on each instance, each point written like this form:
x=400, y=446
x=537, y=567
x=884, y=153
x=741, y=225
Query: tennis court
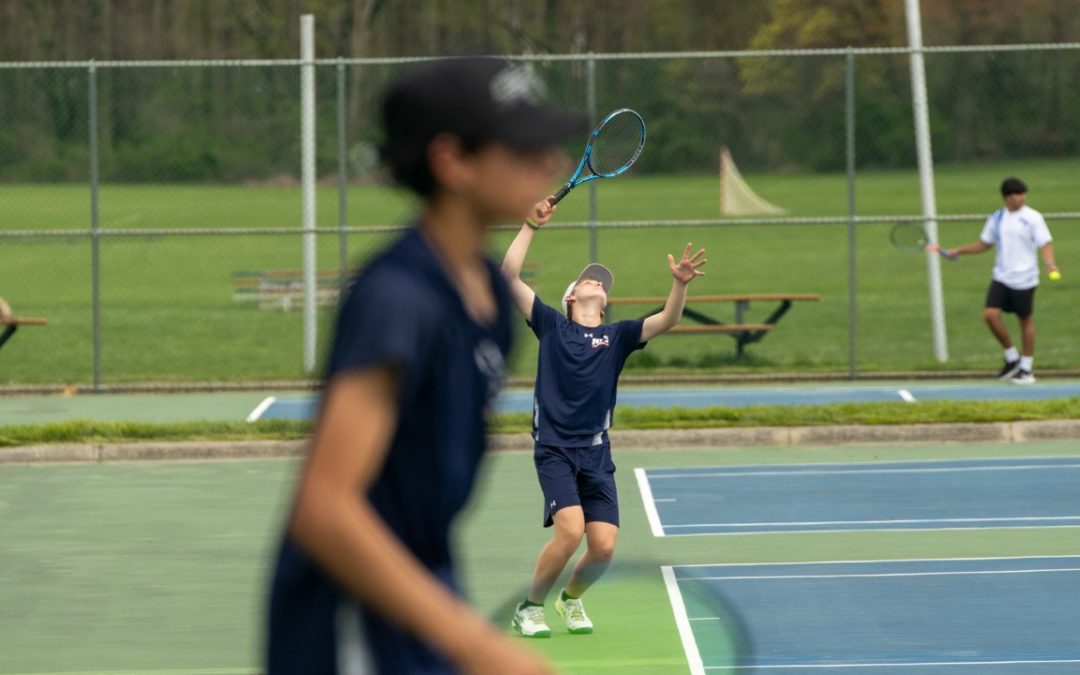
x=880, y=496
x=988, y=615
x=169, y=560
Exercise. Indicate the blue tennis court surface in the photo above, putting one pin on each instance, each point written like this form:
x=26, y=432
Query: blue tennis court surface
x=982, y=615
x=303, y=407
x=922, y=495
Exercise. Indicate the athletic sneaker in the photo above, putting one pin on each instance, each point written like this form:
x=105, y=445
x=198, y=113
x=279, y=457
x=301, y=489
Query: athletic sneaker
x=529, y=622
x=572, y=610
x=1023, y=377
x=1008, y=370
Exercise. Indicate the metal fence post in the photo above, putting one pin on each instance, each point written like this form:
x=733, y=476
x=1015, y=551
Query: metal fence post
x=307, y=190
x=590, y=103
x=921, y=111
x=343, y=213
x=849, y=125
x=95, y=242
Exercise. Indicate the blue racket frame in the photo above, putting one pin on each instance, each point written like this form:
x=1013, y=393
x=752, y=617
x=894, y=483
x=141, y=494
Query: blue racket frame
x=576, y=179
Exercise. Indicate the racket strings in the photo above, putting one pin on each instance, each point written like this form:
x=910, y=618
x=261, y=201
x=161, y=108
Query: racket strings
x=909, y=236
x=618, y=144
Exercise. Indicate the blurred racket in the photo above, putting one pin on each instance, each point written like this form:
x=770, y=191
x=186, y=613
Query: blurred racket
x=613, y=147
x=912, y=238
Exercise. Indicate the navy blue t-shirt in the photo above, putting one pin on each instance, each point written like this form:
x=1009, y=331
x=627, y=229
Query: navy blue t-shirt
x=576, y=376
x=403, y=312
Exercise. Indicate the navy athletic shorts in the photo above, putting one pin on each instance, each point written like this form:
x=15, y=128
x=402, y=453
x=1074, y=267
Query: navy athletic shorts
x=1020, y=303
x=578, y=477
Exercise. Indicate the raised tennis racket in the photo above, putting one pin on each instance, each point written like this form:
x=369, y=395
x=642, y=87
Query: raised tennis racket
x=613, y=147
x=636, y=606
x=912, y=238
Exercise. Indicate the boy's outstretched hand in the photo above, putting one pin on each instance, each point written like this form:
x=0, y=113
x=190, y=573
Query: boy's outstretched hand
x=687, y=268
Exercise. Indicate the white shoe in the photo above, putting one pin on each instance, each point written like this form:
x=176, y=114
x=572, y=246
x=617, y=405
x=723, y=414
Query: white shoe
x=1023, y=377
x=529, y=622
x=573, y=612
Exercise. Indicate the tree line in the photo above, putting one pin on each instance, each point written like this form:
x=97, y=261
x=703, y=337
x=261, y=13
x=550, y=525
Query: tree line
x=236, y=124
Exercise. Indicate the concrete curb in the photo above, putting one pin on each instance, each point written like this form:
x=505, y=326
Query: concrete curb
x=656, y=439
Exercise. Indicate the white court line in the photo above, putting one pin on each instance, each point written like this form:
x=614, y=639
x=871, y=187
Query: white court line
x=831, y=472
x=877, y=575
x=808, y=666
x=887, y=560
x=906, y=395
x=261, y=408
x=665, y=499
x=765, y=533
x=686, y=634
x=649, y=503
x=910, y=521
x=995, y=461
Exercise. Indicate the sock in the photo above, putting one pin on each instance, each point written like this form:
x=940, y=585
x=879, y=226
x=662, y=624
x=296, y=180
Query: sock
x=566, y=596
x=1025, y=362
x=1011, y=354
x=529, y=603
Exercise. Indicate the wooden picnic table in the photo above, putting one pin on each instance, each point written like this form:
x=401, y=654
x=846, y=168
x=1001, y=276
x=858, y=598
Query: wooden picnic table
x=743, y=333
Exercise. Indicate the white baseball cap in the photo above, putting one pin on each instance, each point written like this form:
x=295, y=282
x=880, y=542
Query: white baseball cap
x=591, y=271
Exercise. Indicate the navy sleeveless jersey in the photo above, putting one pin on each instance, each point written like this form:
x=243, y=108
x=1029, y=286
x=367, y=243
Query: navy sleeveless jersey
x=401, y=311
x=576, y=376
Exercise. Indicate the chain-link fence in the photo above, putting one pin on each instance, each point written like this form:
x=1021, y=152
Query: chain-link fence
x=152, y=212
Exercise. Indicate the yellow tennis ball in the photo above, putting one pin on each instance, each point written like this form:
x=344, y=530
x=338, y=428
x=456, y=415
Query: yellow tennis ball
x=1054, y=275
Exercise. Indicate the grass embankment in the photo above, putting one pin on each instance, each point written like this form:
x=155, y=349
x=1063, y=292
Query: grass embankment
x=931, y=412
x=168, y=311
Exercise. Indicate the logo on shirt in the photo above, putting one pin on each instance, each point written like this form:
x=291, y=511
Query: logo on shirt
x=601, y=341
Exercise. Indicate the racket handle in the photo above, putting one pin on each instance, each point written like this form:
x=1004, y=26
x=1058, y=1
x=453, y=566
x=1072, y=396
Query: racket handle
x=950, y=258
x=565, y=190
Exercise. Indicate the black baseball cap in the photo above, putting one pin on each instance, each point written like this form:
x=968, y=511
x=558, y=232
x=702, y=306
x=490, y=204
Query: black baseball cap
x=478, y=99
x=1013, y=186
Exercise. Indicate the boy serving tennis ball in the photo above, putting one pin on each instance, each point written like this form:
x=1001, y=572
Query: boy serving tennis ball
x=576, y=377
x=365, y=579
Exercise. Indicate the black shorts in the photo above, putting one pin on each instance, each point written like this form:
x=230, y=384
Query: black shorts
x=582, y=477
x=1020, y=303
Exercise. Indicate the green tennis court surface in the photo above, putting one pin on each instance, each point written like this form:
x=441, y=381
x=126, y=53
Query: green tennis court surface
x=161, y=567
x=43, y=409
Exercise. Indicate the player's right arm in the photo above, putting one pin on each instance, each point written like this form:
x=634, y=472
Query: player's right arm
x=5, y=311
x=514, y=260
x=977, y=246
x=349, y=539
x=985, y=241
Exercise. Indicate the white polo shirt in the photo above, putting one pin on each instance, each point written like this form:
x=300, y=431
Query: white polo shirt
x=1018, y=235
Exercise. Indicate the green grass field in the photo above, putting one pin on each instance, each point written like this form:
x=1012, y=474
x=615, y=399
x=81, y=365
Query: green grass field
x=162, y=568
x=168, y=312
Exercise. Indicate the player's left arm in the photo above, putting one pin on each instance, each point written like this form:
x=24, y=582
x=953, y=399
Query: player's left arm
x=685, y=271
x=1046, y=245
x=1047, y=251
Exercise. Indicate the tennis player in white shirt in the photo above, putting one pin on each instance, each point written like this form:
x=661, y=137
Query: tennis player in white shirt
x=1018, y=232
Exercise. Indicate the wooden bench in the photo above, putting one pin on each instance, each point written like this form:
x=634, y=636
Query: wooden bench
x=284, y=289
x=12, y=324
x=743, y=333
